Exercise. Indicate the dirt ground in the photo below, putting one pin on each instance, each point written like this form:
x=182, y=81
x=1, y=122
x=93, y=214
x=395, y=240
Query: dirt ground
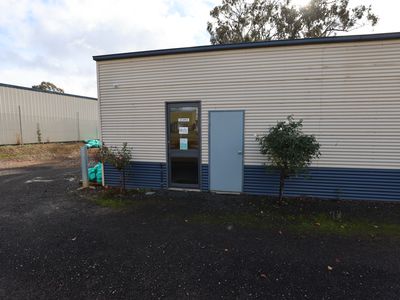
x=33, y=154
x=60, y=243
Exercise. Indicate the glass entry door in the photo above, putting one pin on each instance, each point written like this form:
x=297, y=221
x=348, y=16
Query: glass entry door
x=183, y=138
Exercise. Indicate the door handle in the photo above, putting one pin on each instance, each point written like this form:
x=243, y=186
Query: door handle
x=240, y=152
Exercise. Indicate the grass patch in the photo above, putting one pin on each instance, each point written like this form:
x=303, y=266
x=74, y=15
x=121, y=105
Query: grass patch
x=40, y=151
x=112, y=198
x=116, y=203
x=357, y=227
x=299, y=217
x=112, y=203
x=7, y=156
x=302, y=224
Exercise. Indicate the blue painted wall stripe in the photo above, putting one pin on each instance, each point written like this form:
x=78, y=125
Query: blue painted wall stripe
x=204, y=178
x=138, y=175
x=330, y=183
x=333, y=183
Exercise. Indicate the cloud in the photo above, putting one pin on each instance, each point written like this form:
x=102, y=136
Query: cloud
x=55, y=40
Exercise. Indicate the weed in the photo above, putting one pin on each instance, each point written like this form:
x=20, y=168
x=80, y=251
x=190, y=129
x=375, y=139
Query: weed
x=38, y=133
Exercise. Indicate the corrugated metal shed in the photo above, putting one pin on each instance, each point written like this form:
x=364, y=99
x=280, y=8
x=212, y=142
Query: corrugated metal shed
x=59, y=117
x=348, y=95
x=347, y=90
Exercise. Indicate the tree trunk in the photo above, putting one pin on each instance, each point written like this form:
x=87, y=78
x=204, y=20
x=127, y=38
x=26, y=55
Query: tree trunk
x=123, y=178
x=121, y=181
x=281, y=185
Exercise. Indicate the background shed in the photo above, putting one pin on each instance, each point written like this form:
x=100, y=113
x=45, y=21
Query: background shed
x=25, y=112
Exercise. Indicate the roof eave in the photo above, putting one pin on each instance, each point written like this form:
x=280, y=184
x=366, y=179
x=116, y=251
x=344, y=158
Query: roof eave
x=277, y=43
x=42, y=91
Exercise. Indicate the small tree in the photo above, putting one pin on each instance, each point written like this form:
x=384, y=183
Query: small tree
x=288, y=149
x=119, y=158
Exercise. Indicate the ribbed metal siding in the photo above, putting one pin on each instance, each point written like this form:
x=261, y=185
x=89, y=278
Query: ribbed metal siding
x=325, y=183
x=204, y=178
x=332, y=183
x=60, y=118
x=138, y=175
x=348, y=95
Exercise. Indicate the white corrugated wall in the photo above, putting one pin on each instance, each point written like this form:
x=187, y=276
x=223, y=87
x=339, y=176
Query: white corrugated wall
x=348, y=95
x=60, y=118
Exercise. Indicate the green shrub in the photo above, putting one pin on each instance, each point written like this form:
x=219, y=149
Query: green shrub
x=119, y=158
x=288, y=149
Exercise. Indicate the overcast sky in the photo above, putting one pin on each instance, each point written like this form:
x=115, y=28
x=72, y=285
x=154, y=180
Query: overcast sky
x=54, y=40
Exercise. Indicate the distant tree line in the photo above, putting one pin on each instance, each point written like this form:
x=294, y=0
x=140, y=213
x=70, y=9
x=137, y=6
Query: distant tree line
x=48, y=86
x=236, y=21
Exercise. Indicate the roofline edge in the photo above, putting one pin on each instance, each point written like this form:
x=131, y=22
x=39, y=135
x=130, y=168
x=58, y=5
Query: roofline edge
x=266, y=44
x=41, y=91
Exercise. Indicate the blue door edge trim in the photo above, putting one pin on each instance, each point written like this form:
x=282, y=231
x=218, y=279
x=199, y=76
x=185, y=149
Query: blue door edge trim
x=243, y=140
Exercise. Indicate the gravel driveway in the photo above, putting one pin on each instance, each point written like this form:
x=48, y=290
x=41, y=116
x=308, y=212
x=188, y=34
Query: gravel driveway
x=55, y=244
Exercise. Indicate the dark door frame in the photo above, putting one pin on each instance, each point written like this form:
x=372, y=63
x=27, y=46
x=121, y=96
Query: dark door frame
x=188, y=153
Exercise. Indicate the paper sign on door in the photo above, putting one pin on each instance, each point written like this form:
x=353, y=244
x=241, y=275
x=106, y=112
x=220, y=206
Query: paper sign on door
x=183, y=144
x=183, y=130
x=183, y=119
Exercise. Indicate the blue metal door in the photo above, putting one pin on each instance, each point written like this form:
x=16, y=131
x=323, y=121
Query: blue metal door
x=226, y=151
